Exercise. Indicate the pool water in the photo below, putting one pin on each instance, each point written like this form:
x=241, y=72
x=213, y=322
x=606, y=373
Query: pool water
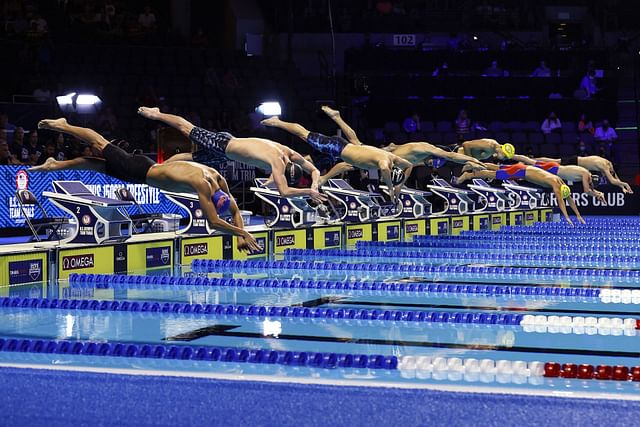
x=483, y=310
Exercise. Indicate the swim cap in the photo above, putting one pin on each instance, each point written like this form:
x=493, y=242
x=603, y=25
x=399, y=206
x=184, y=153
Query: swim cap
x=221, y=201
x=509, y=150
x=565, y=191
x=437, y=162
x=397, y=176
x=293, y=172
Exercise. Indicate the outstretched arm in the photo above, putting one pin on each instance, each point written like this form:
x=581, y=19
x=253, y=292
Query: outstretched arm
x=561, y=204
x=526, y=160
x=483, y=174
x=79, y=163
x=453, y=156
x=546, y=159
x=612, y=177
x=277, y=173
x=346, y=129
x=337, y=169
x=308, y=167
x=587, y=186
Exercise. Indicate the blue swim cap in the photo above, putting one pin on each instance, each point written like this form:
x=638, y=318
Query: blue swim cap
x=437, y=162
x=221, y=201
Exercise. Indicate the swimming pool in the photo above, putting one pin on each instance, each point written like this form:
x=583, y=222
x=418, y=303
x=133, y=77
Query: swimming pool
x=534, y=310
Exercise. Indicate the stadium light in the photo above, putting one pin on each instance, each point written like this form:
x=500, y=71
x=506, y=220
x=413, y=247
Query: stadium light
x=83, y=103
x=269, y=108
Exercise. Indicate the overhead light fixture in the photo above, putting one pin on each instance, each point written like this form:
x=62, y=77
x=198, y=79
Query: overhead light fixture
x=83, y=103
x=269, y=108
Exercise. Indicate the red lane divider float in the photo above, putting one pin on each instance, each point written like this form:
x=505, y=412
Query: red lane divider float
x=589, y=372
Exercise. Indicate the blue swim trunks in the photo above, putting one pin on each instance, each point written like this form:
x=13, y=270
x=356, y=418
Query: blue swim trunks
x=331, y=145
x=211, y=146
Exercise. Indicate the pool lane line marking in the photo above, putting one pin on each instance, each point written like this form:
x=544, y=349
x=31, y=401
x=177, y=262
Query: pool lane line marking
x=488, y=308
x=332, y=382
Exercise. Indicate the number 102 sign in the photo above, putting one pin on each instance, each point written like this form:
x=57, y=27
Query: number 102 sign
x=404, y=39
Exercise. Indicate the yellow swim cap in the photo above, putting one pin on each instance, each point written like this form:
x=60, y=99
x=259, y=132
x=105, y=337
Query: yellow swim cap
x=565, y=191
x=509, y=150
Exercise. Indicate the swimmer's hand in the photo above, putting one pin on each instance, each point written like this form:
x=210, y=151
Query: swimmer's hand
x=569, y=222
x=600, y=196
x=317, y=196
x=248, y=243
x=582, y=221
x=626, y=188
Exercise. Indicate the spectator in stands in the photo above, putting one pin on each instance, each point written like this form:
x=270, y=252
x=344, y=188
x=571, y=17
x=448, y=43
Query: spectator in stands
x=588, y=86
x=34, y=147
x=49, y=151
x=585, y=125
x=494, y=70
x=6, y=127
x=230, y=80
x=462, y=125
x=551, y=124
x=605, y=133
x=542, y=70
x=441, y=71
x=147, y=20
x=411, y=124
x=39, y=25
x=6, y=158
x=42, y=93
x=62, y=148
x=582, y=149
x=18, y=149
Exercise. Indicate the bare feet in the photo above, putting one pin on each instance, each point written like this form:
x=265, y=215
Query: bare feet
x=149, y=113
x=271, y=121
x=48, y=165
x=329, y=111
x=52, y=124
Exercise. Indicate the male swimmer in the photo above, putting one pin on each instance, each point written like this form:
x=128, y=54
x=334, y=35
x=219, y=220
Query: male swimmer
x=352, y=151
x=179, y=176
x=213, y=148
x=531, y=174
x=594, y=164
x=571, y=173
x=483, y=149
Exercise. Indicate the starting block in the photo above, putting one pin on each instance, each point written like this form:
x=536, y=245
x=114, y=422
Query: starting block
x=356, y=205
x=198, y=223
x=493, y=199
x=414, y=202
x=98, y=219
x=457, y=200
x=290, y=212
x=522, y=197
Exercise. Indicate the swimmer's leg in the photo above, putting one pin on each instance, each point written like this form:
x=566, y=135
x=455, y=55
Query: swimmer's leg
x=349, y=133
x=293, y=128
x=176, y=122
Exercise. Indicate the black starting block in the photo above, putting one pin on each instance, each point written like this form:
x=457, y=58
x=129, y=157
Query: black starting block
x=290, y=212
x=522, y=197
x=457, y=200
x=98, y=219
x=491, y=199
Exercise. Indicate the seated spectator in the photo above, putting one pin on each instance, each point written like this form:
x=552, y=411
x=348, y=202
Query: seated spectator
x=412, y=124
x=39, y=25
x=147, y=20
x=542, y=70
x=585, y=125
x=62, y=147
x=18, y=149
x=34, y=147
x=605, y=133
x=462, y=125
x=551, y=124
x=6, y=127
x=49, y=151
x=441, y=71
x=6, y=158
x=588, y=86
x=582, y=151
x=494, y=70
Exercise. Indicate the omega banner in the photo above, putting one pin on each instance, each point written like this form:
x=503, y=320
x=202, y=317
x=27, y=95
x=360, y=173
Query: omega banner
x=617, y=203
